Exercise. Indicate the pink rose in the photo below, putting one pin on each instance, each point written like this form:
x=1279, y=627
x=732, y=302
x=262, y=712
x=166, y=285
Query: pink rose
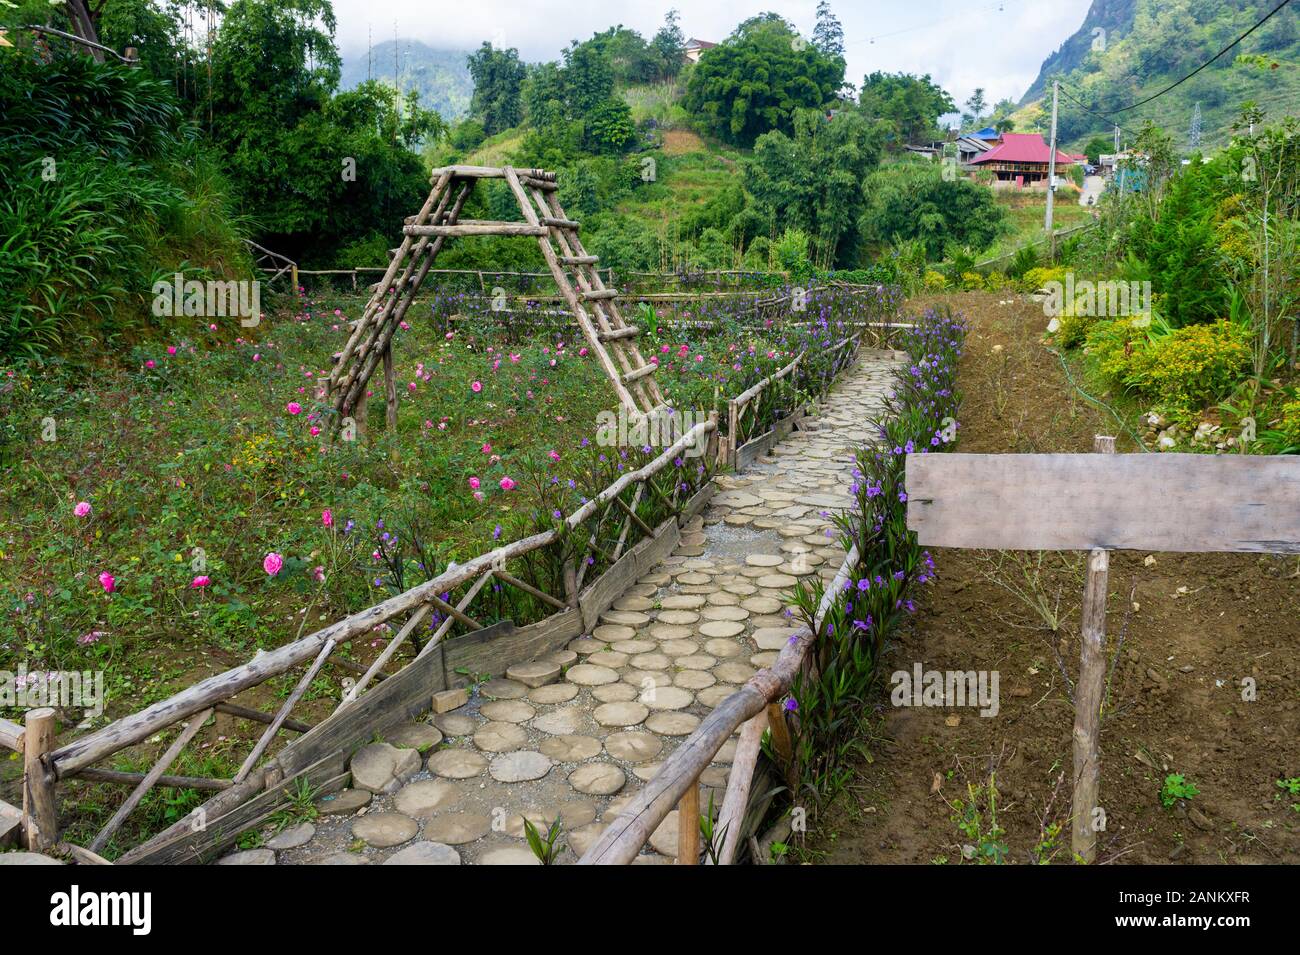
x=327, y=517
x=82, y=509
x=293, y=408
x=199, y=582
x=476, y=387
x=474, y=483
x=507, y=484
x=272, y=563
x=108, y=582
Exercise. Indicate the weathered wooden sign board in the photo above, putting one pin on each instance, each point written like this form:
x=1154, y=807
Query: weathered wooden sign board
x=1102, y=502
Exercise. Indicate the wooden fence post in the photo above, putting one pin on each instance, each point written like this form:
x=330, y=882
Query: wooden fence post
x=688, y=825
x=1088, y=692
x=40, y=812
x=390, y=390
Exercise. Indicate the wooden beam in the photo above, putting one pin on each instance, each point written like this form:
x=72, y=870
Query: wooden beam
x=11, y=735
x=736, y=800
x=40, y=810
x=479, y=228
x=93, y=774
x=283, y=713
x=1148, y=502
x=257, y=716
x=688, y=826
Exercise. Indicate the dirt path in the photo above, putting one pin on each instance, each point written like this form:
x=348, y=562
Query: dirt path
x=579, y=745
x=1193, y=628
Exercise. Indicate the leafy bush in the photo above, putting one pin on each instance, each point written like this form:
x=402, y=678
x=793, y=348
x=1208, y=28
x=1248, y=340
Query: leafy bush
x=1036, y=278
x=911, y=200
x=1193, y=366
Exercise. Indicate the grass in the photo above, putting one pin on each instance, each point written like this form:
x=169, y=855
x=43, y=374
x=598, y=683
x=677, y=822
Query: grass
x=1025, y=213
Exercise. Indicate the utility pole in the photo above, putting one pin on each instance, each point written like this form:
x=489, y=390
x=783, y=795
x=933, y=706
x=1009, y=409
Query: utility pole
x=1051, y=171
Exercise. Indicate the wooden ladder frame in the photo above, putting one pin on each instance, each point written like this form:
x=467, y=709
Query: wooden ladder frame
x=576, y=272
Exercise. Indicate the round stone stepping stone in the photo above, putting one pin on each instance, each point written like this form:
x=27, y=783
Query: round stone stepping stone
x=520, y=766
x=720, y=598
x=417, y=736
x=733, y=672
x=650, y=661
x=458, y=763
x=508, y=711
x=655, y=579
x=642, y=590
x=679, y=648
x=614, y=693
x=385, y=829
x=678, y=617
x=554, y=693
x=572, y=814
x=382, y=767
x=694, y=577
x=714, y=776
x=500, y=737
x=633, y=603
x=762, y=605
x=722, y=628
x=608, y=658
x=584, y=837
x=509, y=855
x=773, y=638
x=696, y=661
x=669, y=631
x=570, y=749
x=694, y=679
x=737, y=520
x=628, y=618
x=585, y=645
x=588, y=674
x=563, y=721
x=753, y=573
x=727, y=753
x=292, y=837
x=715, y=694
x=457, y=828
x=561, y=658
x=689, y=550
x=424, y=797
x=455, y=724
x=672, y=724
x=764, y=560
x=424, y=853
x=740, y=588
x=724, y=613
x=633, y=747
x=682, y=602
x=766, y=658
x=667, y=698
x=598, y=779
x=722, y=647
x=777, y=581
x=613, y=632
x=535, y=674
x=645, y=678
x=503, y=689
x=344, y=802
x=340, y=858
x=798, y=569
x=620, y=714
x=664, y=838
x=646, y=771
x=777, y=620
x=247, y=857
x=633, y=647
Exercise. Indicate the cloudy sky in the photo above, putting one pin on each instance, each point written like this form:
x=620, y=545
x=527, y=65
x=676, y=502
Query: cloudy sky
x=961, y=43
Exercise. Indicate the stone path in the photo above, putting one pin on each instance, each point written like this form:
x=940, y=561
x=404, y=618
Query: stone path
x=676, y=644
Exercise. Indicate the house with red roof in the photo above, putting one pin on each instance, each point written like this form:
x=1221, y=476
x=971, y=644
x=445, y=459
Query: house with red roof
x=1021, y=159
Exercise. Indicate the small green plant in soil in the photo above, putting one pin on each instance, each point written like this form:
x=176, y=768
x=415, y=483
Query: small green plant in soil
x=976, y=817
x=547, y=847
x=1177, y=787
x=1290, y=787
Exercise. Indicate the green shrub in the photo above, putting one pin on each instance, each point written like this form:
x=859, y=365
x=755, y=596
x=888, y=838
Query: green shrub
x=1192, y=366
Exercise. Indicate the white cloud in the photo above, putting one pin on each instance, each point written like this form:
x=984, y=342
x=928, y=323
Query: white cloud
x=961, y=44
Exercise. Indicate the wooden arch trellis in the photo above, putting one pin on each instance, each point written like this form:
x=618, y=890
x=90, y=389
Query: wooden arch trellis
x=576, y=274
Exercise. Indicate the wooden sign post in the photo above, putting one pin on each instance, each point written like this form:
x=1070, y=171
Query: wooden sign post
x=1102, y=502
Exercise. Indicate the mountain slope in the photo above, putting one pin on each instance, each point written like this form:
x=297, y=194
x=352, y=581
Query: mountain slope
x=1149, y=44
x=441, y=76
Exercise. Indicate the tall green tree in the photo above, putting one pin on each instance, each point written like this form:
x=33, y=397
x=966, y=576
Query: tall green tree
x=669, y=45
x=828, y=35
x=912, y=200
x=498, y=79
x=758, y=77
x=909, y=106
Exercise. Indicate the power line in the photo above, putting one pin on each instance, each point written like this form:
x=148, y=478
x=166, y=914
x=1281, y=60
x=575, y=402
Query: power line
x=1180, y=82
x=1086, y=109
x=998, y=7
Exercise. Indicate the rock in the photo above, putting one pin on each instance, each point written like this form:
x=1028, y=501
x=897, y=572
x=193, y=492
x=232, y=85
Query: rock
x=509, y=855
x=1199, y=819
x=385, y=829
x=425, y=797
x=340, y=858
x=598, y=779
x=570, y=749
x=292, y=838
x=503, y=690
x=382, y=767
x=343, y=803
x=455, y=724
x=534, y=674
x=500, y=737
x=457, y=763
x=249, y=857
x=621, y=714
x=457, y=828
x=446, y=700
x=417, y=736
x=424, y=853
x=520, y=766
x=507, y=711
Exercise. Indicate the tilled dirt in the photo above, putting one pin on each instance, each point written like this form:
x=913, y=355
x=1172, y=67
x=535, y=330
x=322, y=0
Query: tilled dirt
x=1194, y=632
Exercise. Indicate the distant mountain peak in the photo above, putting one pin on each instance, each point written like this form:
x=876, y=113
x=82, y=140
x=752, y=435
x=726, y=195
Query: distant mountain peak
x=440, y=75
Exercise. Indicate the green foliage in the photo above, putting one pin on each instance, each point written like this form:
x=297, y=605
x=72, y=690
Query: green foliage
x=907, y=106
x=976, y=818
x=609, y=127
x=547, y=847
x=911, y=200
x=791, y=254
x=812, y=181
x=1096, y=146
x=755, y=81
x=498, y=78
x=1177, y=787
